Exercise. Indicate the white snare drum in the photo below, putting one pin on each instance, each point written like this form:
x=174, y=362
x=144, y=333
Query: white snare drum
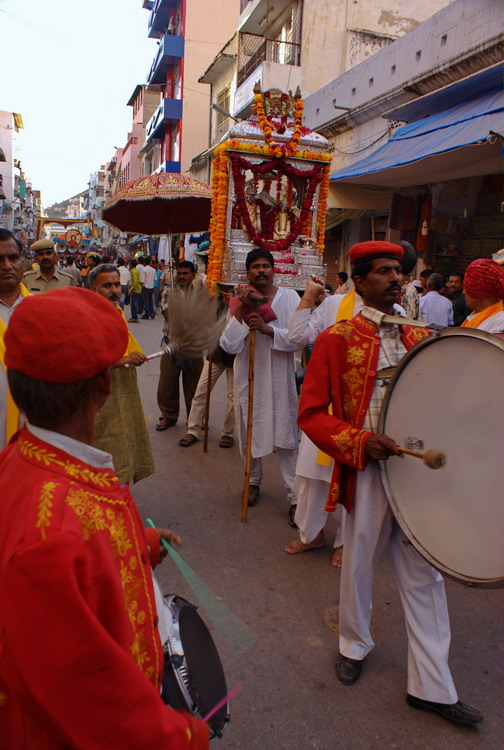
x=448, y=394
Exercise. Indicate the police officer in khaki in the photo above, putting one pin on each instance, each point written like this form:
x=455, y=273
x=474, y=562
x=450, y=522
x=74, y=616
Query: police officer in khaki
x=47, y=276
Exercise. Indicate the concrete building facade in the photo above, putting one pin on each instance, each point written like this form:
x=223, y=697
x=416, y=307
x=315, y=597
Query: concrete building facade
x=446, y=62
x=288, y=43
x=188, y=35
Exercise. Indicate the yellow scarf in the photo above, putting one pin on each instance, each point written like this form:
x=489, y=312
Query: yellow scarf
x=345, y=312
x=484, y=315
x=133, y=345
x=12, y=421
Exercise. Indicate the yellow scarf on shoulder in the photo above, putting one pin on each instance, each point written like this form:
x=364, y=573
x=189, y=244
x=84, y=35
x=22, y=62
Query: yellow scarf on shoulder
x=484, y=315
x=133, y=345
x=12, y=421
x=345, y=312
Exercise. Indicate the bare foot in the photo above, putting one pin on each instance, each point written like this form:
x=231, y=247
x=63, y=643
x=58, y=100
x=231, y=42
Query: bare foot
x=337, y=557
x=293, y=548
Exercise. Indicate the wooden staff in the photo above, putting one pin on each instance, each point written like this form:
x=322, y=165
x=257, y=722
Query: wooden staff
x=207, y=405
x=248, y=450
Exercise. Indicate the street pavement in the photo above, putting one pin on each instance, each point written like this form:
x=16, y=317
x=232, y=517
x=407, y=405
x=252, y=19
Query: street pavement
x=288, y=605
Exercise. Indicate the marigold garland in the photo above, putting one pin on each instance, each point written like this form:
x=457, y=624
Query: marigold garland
x=267, y=126
x=322, y=207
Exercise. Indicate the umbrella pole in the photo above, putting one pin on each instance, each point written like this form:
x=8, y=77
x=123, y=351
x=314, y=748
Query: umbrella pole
x=207, y=404
x=170, y=256
x=248, y=450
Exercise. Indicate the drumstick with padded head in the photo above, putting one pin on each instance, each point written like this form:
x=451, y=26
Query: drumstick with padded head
x=434, y=459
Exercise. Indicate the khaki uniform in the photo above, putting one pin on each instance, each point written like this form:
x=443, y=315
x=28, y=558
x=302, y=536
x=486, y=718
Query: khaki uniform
x=35, y=282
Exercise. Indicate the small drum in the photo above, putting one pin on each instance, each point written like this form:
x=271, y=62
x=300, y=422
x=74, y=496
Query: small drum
x=193, y=678
x=448, y=394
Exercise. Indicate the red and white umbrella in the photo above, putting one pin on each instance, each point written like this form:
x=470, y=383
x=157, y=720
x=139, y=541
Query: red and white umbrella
x=162, y=203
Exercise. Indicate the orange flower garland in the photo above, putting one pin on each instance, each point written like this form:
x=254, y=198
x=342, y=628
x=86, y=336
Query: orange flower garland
x=218, y=221
x=322, y=207
x=274, y=148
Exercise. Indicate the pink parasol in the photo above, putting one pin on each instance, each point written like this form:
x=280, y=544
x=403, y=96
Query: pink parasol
x=162, y=203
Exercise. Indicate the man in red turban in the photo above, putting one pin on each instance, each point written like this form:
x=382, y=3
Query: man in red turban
x=484, y=293
x=339, y=411
x=81, y=659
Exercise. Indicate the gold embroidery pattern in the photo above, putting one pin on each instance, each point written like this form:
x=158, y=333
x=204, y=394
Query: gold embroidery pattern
x=99, y=479
x=3, y=698
x=349, y=403
x=349, y=442
x=89, y=513
x=342, y=329
x=355, y=355
x=86, y=506
x=156, y=673
x=334, y=494
x=44, y=507
x=352, y=378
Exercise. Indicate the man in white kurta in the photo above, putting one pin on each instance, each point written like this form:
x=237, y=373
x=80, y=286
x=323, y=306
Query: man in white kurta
x=275, y=397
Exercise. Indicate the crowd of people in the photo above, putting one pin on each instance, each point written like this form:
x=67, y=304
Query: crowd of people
x=72, y=421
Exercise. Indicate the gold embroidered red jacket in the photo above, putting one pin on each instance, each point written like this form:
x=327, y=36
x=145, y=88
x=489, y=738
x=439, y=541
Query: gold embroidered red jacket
x=80, y=655
x=341, y=372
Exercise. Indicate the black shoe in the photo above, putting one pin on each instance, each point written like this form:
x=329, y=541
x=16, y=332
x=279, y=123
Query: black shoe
x=145, y=317
x=253, y=495
x=292, y=513
x=458, y=713
x=348, y=670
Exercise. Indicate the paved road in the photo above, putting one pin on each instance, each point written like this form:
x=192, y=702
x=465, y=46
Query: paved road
x=291, y=698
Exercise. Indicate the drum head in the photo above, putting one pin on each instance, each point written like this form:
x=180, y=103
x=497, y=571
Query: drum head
x=447, y=394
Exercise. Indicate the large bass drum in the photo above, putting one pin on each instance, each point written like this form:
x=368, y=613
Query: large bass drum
x=193, y=677
x=448, y=394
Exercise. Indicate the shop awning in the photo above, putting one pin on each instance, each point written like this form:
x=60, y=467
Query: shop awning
x=462, y=141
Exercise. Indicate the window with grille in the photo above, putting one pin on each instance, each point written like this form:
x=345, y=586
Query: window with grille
x=281, y=42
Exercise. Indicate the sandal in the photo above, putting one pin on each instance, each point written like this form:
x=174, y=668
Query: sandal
x=188, y=440
x=163, y=424
x=226, y=441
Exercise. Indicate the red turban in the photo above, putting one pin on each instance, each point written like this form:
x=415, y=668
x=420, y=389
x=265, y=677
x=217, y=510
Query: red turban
x=64, y=336
x=374, y=249
x=484, y=278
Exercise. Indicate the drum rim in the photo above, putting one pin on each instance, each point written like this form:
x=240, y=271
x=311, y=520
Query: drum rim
x=422, y=344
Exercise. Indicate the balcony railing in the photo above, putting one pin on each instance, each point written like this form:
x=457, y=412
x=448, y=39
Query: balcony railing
x=168, y=111
x=253, y=50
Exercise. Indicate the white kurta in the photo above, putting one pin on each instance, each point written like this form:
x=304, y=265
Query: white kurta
x=275, y=396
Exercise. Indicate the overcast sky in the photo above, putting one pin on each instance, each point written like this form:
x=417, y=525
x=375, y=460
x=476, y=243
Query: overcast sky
x=69, y=67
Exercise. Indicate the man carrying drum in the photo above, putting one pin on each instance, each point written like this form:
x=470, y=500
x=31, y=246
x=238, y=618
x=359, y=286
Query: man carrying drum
x=81, y=660
x=348, y=370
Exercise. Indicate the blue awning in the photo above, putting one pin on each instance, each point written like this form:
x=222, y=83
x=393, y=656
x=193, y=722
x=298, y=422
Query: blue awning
x=468, y=124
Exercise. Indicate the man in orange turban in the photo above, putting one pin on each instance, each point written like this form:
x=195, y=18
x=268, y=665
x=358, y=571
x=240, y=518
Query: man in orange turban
x=484, y=293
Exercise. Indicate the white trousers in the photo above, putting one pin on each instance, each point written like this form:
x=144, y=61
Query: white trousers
x=287, y=464
x=311, y=516
x=197, y=413
x=369, y=528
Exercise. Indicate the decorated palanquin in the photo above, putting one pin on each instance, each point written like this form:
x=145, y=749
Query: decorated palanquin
x=269, y=190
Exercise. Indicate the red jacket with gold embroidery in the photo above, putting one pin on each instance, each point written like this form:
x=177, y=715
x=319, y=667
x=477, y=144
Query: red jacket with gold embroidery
x=341, y=372
x=80, y=656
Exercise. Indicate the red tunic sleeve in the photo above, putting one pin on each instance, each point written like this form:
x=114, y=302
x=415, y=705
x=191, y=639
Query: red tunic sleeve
x=321, y=388
x=63, y=661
